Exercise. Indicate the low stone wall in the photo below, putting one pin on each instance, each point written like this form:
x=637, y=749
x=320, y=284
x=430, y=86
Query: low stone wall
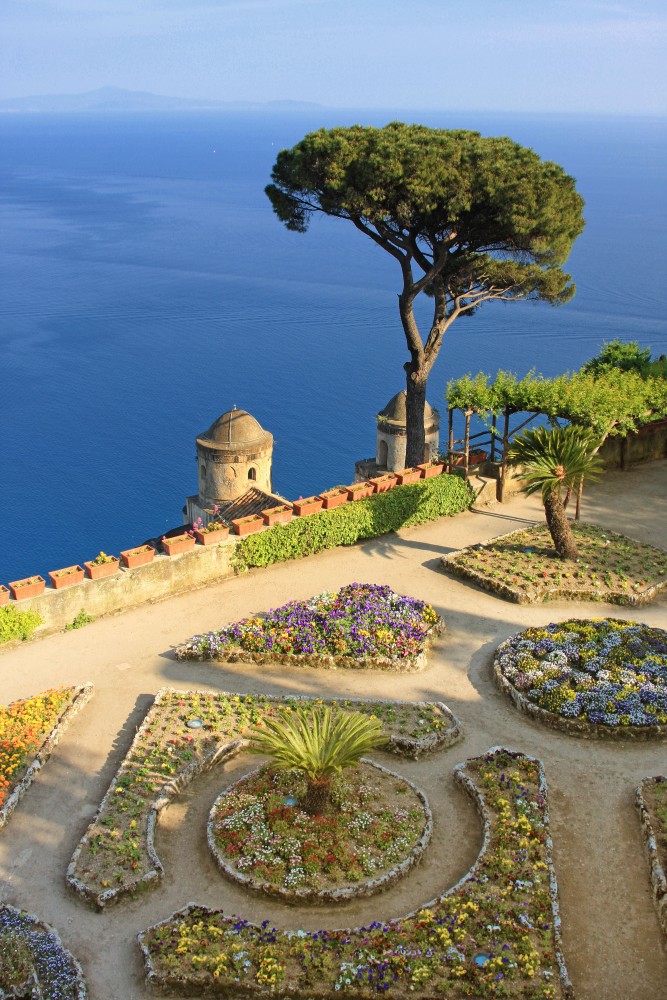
x=657, y=872
x=647, y=444
x=164, y=577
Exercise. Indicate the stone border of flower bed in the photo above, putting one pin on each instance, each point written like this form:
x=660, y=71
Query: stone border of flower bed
x=573, y=727
x=656, y=871
x=187, y=986
x=45, y=930
x=81, y=695
x=401, y=745
x=300, y=897
x=404, y=665
x=516, y=596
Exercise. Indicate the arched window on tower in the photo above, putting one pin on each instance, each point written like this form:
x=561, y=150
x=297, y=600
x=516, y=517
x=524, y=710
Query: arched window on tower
x=252, y=474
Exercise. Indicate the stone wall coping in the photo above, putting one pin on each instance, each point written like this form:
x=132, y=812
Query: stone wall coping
x=656, y=871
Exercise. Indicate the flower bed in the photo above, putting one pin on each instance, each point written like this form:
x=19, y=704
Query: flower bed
x=53, y=973
x=361, y=625
x=651, y=801
x=495, y=933
x=522, y=567
x=590, y=677
x=378, y=828
x=117, y=856
x=29, y=731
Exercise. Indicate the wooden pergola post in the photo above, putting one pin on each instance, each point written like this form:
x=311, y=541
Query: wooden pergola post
x=450, y=438
x=466, y=445
x=492, y=455
x=503, y=465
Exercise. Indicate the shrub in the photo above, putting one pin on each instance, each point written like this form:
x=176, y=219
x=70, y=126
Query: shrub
x=83, y=618
x=400, y=507
x=15, y=624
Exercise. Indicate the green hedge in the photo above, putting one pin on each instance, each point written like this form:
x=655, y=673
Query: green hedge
x=400, y=507
x=15, y=624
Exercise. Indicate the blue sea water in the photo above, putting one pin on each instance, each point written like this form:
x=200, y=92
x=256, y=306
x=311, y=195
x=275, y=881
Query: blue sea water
x=146, y=287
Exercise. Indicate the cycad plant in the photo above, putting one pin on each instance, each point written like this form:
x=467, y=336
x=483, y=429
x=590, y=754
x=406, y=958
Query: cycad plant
x=556, y=462
x=319, y=743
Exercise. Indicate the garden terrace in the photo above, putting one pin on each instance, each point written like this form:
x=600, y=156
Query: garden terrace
x=183, y=734
x=498, y=925
x=29, y=731
x=361, y=625
x=591, y=677
x=523, y=567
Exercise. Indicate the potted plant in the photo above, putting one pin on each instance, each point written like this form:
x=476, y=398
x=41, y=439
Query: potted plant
x=310, y=505
x=4, y=595
x=175, y=544
x=31, y=586
x=246, y=525
x=408, y=475
x=67, y=577
x=211, y=533
x=383, y=483
x=101, y=566
x=430, y=469
x=277, y=515
x=139, y=556
x=357, y=491
x=334, y=497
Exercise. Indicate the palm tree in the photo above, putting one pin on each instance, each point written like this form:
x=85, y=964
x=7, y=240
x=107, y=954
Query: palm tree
x=555, y=461
x=319, y=744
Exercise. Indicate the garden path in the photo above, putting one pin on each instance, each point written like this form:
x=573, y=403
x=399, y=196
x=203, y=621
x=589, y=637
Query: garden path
x=612, y=941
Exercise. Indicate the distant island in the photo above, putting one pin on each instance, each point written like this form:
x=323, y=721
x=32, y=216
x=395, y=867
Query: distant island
x=112, y=99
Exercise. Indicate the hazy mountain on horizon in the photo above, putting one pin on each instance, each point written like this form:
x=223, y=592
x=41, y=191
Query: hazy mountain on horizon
x=119, y=99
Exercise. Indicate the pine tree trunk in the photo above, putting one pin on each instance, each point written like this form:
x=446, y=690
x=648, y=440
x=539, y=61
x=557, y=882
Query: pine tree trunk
x=414, y=412
x=317, y=797
x=559, y=526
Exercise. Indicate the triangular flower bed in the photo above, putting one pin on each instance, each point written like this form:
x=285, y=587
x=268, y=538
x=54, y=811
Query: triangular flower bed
x=361, y=625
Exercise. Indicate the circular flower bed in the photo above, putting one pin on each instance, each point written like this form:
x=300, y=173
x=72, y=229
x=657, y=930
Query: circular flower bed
x=376, y=828
x=589, y=674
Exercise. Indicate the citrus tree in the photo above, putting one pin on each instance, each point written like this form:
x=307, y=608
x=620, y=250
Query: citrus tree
x=556, y=462
x=319, y=743
x=467, y=218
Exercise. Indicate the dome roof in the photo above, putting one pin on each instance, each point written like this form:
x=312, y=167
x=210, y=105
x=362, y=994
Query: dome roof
x=235, y=429
x=395, y=411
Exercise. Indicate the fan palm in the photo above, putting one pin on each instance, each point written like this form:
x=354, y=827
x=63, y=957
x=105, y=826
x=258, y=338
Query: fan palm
x=554, y=461
x=319, y=743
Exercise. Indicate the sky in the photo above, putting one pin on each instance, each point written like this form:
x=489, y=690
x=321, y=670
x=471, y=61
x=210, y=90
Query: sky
x=585, y=56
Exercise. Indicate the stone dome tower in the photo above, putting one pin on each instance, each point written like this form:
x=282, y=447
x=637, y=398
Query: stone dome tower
x=391, y=442
x=233, y=455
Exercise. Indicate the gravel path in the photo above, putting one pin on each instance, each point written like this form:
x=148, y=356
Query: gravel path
x=612, y=941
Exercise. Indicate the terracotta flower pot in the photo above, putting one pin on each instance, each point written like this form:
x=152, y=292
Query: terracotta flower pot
x=179, y=543
x=358, y=491
x=430, y=469
x=138, y=557
x=212, y=537
x=31, y=586
x=97, y=571
x=277, y=515
x=311, y=505
x=246, y=525
x=383, y=483
x=61, y=578
x=333, y=498
x=408, y=476
x=4, y=595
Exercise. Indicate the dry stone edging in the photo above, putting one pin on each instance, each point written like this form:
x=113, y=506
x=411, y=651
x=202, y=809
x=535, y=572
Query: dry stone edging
x=297, y=897
x=407, y=664
x=81, y=696
x=187, y=988
x=515, y=596
x=219, y=755
x=44, y=930
x=656, y=871
x=573, y=727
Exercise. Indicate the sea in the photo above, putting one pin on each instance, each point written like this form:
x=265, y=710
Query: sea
x=146, y=287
